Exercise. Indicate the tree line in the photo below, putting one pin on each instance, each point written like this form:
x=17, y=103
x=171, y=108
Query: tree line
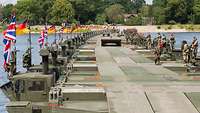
x=72, y=11
x=104, y=11
x=176, y=11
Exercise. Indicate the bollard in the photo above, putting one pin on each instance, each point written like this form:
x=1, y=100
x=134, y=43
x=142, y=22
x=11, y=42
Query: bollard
x=45, y=60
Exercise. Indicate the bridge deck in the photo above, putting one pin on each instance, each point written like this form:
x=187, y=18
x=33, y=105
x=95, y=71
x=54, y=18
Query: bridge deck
x=135, y=85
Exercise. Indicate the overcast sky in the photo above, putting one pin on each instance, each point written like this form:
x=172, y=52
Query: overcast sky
x=14, y=1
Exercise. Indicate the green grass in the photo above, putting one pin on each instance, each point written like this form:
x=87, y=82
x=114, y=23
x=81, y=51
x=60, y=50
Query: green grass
x=189, y=27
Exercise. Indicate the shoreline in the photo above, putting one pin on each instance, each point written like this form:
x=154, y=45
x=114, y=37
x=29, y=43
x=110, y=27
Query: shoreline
x=154, y=28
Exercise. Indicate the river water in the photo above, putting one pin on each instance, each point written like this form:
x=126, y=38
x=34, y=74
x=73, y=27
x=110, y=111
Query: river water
x=22, y=45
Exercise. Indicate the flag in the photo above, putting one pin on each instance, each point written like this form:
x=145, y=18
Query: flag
x=67, y=30
x=7, y=50
x=21, y=29
x=41, y=39
x=45, y=32
x=74, y=27
x=10, y=32
x=62, y=30
x=52, y=29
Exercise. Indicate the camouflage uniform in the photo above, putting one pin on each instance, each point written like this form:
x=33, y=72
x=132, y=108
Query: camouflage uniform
x=194, y=47
x=148, y=41
x=186, y=53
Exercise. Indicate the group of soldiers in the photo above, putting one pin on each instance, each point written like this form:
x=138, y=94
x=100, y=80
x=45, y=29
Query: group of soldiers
x=163, y=45
x=134, y=38
x=189, y=51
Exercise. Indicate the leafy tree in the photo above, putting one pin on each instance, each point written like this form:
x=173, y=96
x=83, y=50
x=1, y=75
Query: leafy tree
x=86, y=10
x=100, y=19
x=159, y=15
x=134, y=21
x=196, y=10
x=7, y=11
x=61, y=11
x=177, y=11
x=28, y=9
x=114, y=13
x=137, y=4
x=160, y=3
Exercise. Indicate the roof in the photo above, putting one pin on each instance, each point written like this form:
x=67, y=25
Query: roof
x=31, y=75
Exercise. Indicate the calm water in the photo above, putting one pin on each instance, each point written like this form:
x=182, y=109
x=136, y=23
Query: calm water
x=22, y=45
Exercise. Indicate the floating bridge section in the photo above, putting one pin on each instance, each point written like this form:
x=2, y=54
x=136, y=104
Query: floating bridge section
x=134, y=84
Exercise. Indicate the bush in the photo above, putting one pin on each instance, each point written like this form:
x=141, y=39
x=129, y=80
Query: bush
x=89, y=22
x=169, y=27
x=158, y=27
x=180, y=26
x=172, y=22
x=134, y=21
x=190, y=27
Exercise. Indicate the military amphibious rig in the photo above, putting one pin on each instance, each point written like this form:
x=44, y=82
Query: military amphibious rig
x=102, y=72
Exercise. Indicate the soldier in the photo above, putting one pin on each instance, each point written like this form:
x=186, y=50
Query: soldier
x=172, y=41
x=157, y=54
x=194, y=47
x=185, y=51
x=164, y=44
x=27, y=59
x=54, y=52
x=160, y=44
x=148, y=41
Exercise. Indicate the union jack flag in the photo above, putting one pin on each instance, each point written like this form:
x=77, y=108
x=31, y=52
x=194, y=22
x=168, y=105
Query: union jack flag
x=41, y=39
x=10, y=33
x=7, y=50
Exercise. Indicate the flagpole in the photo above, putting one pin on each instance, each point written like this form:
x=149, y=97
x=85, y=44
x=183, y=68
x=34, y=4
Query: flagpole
x=30, y=43
x=46, y=32
x=55, y=35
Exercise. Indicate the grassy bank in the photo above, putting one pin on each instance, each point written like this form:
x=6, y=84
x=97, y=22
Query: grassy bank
x=189, y=27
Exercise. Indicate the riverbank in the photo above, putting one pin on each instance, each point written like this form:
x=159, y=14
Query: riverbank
x=142, y=29
x=166, y=28
x=154, y=28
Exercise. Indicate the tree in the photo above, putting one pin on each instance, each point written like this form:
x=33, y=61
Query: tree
x=1, y=11
x=176, y=11
x=7, y=11
x=100, y=19
x=114, y=13
x=137, y=4
x=134, y=21
x=159, y=15
x=29, y=9
x=87, y=10
x=160, y=3
x=61, y=11
x=196, y=10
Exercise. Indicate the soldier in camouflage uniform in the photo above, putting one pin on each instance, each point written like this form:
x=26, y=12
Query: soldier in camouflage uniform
x=194, y=47
x=185, y=51
x=148, y=41
x=27, y=59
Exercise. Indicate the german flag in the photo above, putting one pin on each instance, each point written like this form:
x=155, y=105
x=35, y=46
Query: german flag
x=52, y=29
x=22, y=28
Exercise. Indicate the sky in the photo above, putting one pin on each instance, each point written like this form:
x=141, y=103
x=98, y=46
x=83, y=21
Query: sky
x=7, y=1
x=149, y=1
x=14, y=1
